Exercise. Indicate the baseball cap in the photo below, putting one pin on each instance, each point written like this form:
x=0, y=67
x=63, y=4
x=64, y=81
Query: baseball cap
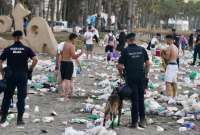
x=17, y=33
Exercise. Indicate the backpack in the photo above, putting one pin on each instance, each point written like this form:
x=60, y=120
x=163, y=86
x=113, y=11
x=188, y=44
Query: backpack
x=110, y=40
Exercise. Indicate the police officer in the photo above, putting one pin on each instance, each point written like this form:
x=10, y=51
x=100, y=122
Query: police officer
x=196, y=49
x=134, y=59
x=17, y=56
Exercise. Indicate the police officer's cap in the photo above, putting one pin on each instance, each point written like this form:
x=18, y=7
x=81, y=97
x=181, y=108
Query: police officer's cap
x=130, y=36
x=17, y=33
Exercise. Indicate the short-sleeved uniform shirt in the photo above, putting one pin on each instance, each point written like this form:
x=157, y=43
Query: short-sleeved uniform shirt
x=133, y=58
x=17, y=56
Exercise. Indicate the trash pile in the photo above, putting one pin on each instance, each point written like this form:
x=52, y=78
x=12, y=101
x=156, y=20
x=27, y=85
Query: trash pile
x=184, y=108
x=44, y=79
x=94, y=131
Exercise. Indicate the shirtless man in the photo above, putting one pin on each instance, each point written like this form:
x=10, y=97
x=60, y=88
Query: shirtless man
x=171, y=56
x=66, y=65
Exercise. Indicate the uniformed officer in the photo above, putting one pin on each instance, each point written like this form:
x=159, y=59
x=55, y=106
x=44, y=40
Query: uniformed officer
x=17, y=56
x=134, y=59
x=196, y=49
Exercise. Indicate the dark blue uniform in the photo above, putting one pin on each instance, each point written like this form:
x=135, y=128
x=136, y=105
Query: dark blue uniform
x=196, y=50
x=17, y=56
x=133, y=58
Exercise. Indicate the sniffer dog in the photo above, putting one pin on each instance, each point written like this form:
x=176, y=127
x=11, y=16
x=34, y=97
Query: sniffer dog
x=115, y=101
x=114, y=107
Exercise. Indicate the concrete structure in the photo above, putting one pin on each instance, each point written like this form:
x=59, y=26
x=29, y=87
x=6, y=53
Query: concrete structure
x=5, y=23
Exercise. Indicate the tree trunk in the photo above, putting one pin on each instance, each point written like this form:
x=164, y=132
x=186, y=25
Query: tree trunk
x=62, y=9
x=81, y=13
x=130, y=11
x=52, y=12
x=58, y=10
x=65, y=10
x=41, y=8
x=48, y=9
x=17, y=1
x=98, y=25
x=109, y=14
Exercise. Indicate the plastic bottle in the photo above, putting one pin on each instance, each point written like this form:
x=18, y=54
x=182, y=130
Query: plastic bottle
x=188, y=125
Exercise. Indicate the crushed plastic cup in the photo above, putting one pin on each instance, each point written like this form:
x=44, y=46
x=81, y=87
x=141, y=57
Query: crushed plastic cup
x=65, y=123
x=10, y=117
x=150, y=121
x=193, y=75
x=47, y=119
x=160, y=129
x=78, y=121
x=72, y=131
x=108, y=124
x=93, y=117
x=180, y=121
x=188, y=125
x=51, y=78
x=38, y=85
x=54, y=113
x=182, y=129
x=90, y=125
x=26, y=115
x=36, y=110
x=36, y=120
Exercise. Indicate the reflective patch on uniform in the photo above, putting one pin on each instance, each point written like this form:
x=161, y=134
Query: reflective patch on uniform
x=17, y=49
x=135, y=54
x=17, y=52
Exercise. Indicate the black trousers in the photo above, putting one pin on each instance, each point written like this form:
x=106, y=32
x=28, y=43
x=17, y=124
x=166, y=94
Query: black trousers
x=16, y=80
x=196, y=52
x=137, y=110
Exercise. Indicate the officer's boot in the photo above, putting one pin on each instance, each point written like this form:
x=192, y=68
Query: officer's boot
x=143, y=123
x=20, y=120
x=3, y=118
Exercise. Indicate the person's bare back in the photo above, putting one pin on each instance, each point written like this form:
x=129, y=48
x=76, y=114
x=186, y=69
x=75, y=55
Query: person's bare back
x=67, y=53
x=173, y=53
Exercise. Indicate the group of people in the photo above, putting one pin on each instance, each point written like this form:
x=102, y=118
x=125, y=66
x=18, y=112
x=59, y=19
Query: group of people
x=133, y=63
x=182, y=42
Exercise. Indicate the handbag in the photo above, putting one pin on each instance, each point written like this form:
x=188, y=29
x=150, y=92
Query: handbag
x=125, y=92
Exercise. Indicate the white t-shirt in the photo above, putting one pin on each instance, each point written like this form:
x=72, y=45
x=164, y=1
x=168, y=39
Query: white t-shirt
x=154, y=41
x=60, y=47
x=88, y=36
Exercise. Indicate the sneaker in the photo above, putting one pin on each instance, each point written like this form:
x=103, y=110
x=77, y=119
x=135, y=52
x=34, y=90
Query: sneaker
x=3, y=119
x=143, y=123
x=134, y=125
x=20, y=123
